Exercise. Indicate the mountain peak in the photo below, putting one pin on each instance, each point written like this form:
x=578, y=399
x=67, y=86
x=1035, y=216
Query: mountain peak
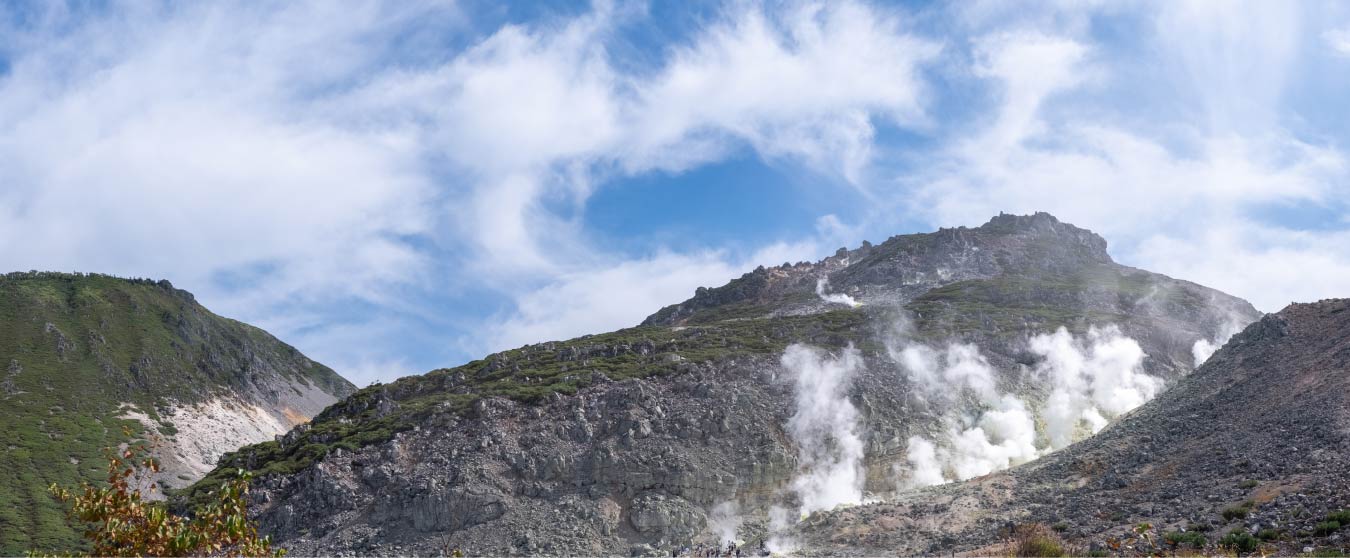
x=1045, y=225
x=901, y=268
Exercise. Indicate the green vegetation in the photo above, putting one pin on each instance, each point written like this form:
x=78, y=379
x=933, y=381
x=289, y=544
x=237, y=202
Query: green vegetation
x=1326, y=528
x=73, y=349
x=1237, y=512
x=1268, y=534
x=118, y=520
x=1038, y=300
x=1239, y=540
x=1036, y=541
x=1326, y=552
x=1189, y=538
x=532, y=374
x=1342, y=517
x=1248, y=484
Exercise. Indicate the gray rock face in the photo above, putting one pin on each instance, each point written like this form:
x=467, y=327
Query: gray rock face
x=1257, y=439
x=635, y=465
x=658, y=517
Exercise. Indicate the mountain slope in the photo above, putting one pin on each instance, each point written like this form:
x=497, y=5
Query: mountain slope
x=84, y=355
x=749, y=396
x=1263, y=427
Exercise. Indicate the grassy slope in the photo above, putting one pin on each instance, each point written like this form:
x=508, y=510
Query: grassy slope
x=72, y=349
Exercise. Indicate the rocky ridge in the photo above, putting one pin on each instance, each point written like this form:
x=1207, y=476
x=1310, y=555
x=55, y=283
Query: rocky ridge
x=624, y=442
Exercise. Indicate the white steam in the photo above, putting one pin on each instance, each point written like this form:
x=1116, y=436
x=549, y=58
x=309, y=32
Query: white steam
x=1000, y=431
x=1204, y=348
x=827, y=431
x=1094, y=379
x=925, y=468
x=725, y=521
x=838, y=298
x=826, y=428
x=780, y=542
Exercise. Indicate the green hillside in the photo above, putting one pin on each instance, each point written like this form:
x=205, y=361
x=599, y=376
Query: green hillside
x=74, y=348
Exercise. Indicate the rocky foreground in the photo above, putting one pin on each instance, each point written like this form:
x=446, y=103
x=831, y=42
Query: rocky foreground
x=1250, y=453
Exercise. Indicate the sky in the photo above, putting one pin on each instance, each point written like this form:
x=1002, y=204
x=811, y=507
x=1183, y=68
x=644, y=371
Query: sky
x=394, y=187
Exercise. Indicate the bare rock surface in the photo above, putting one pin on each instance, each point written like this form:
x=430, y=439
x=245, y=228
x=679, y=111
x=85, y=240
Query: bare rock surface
x=1257, y=439
x=625, y=443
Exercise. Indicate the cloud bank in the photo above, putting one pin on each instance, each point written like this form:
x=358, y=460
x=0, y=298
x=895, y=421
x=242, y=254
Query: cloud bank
x=419, y=175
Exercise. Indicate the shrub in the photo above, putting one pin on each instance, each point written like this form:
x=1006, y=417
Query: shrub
x=1326, y=552
x=1326, y=528
x=1060, y=527
x=1342, y=517
x=1192, y=538
x=1236, y=512
x=1036, y=541
x=1248, y=484
x=1268, y=534
x=120, y=522
x=1240, y=541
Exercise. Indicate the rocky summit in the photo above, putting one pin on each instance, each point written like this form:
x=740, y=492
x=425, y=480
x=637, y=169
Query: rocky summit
x=749, y=412
x=84, y=356
x=1249, y=454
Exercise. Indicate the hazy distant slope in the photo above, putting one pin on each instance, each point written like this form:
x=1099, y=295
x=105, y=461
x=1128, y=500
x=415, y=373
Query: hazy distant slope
x=81, y=353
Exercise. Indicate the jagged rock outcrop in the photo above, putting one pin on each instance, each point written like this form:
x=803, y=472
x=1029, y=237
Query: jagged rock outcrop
x=623, y=442
x=90, y=354
x=1255, y=442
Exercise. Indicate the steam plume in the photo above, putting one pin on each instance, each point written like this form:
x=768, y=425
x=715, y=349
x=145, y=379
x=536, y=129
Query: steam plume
x=999, y=433
x=1204, y=348
x=1094, y=379
x=725, y=520
x=838, y=298
x=826, y=428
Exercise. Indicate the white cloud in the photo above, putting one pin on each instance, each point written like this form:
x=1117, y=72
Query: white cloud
x=286, y=159
x=621, y=293
x=1338, y=40
x=278, y=157
x=1176, y=196
x=174, y=145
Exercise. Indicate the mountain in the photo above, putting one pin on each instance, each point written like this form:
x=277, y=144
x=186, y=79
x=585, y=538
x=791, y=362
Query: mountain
x=1255, y=441
x=82, y=356
x=788, y=391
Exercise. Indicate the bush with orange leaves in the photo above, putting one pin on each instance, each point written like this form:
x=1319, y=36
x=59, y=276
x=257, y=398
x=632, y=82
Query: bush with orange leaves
x=119, y=521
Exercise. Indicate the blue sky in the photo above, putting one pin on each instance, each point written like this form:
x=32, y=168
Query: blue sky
x=396, y=187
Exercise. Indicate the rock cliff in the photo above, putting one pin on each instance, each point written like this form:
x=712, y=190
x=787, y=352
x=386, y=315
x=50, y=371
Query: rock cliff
x=753, y=397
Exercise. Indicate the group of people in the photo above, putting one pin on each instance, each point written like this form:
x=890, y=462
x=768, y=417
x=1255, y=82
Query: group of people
x=730, y=550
